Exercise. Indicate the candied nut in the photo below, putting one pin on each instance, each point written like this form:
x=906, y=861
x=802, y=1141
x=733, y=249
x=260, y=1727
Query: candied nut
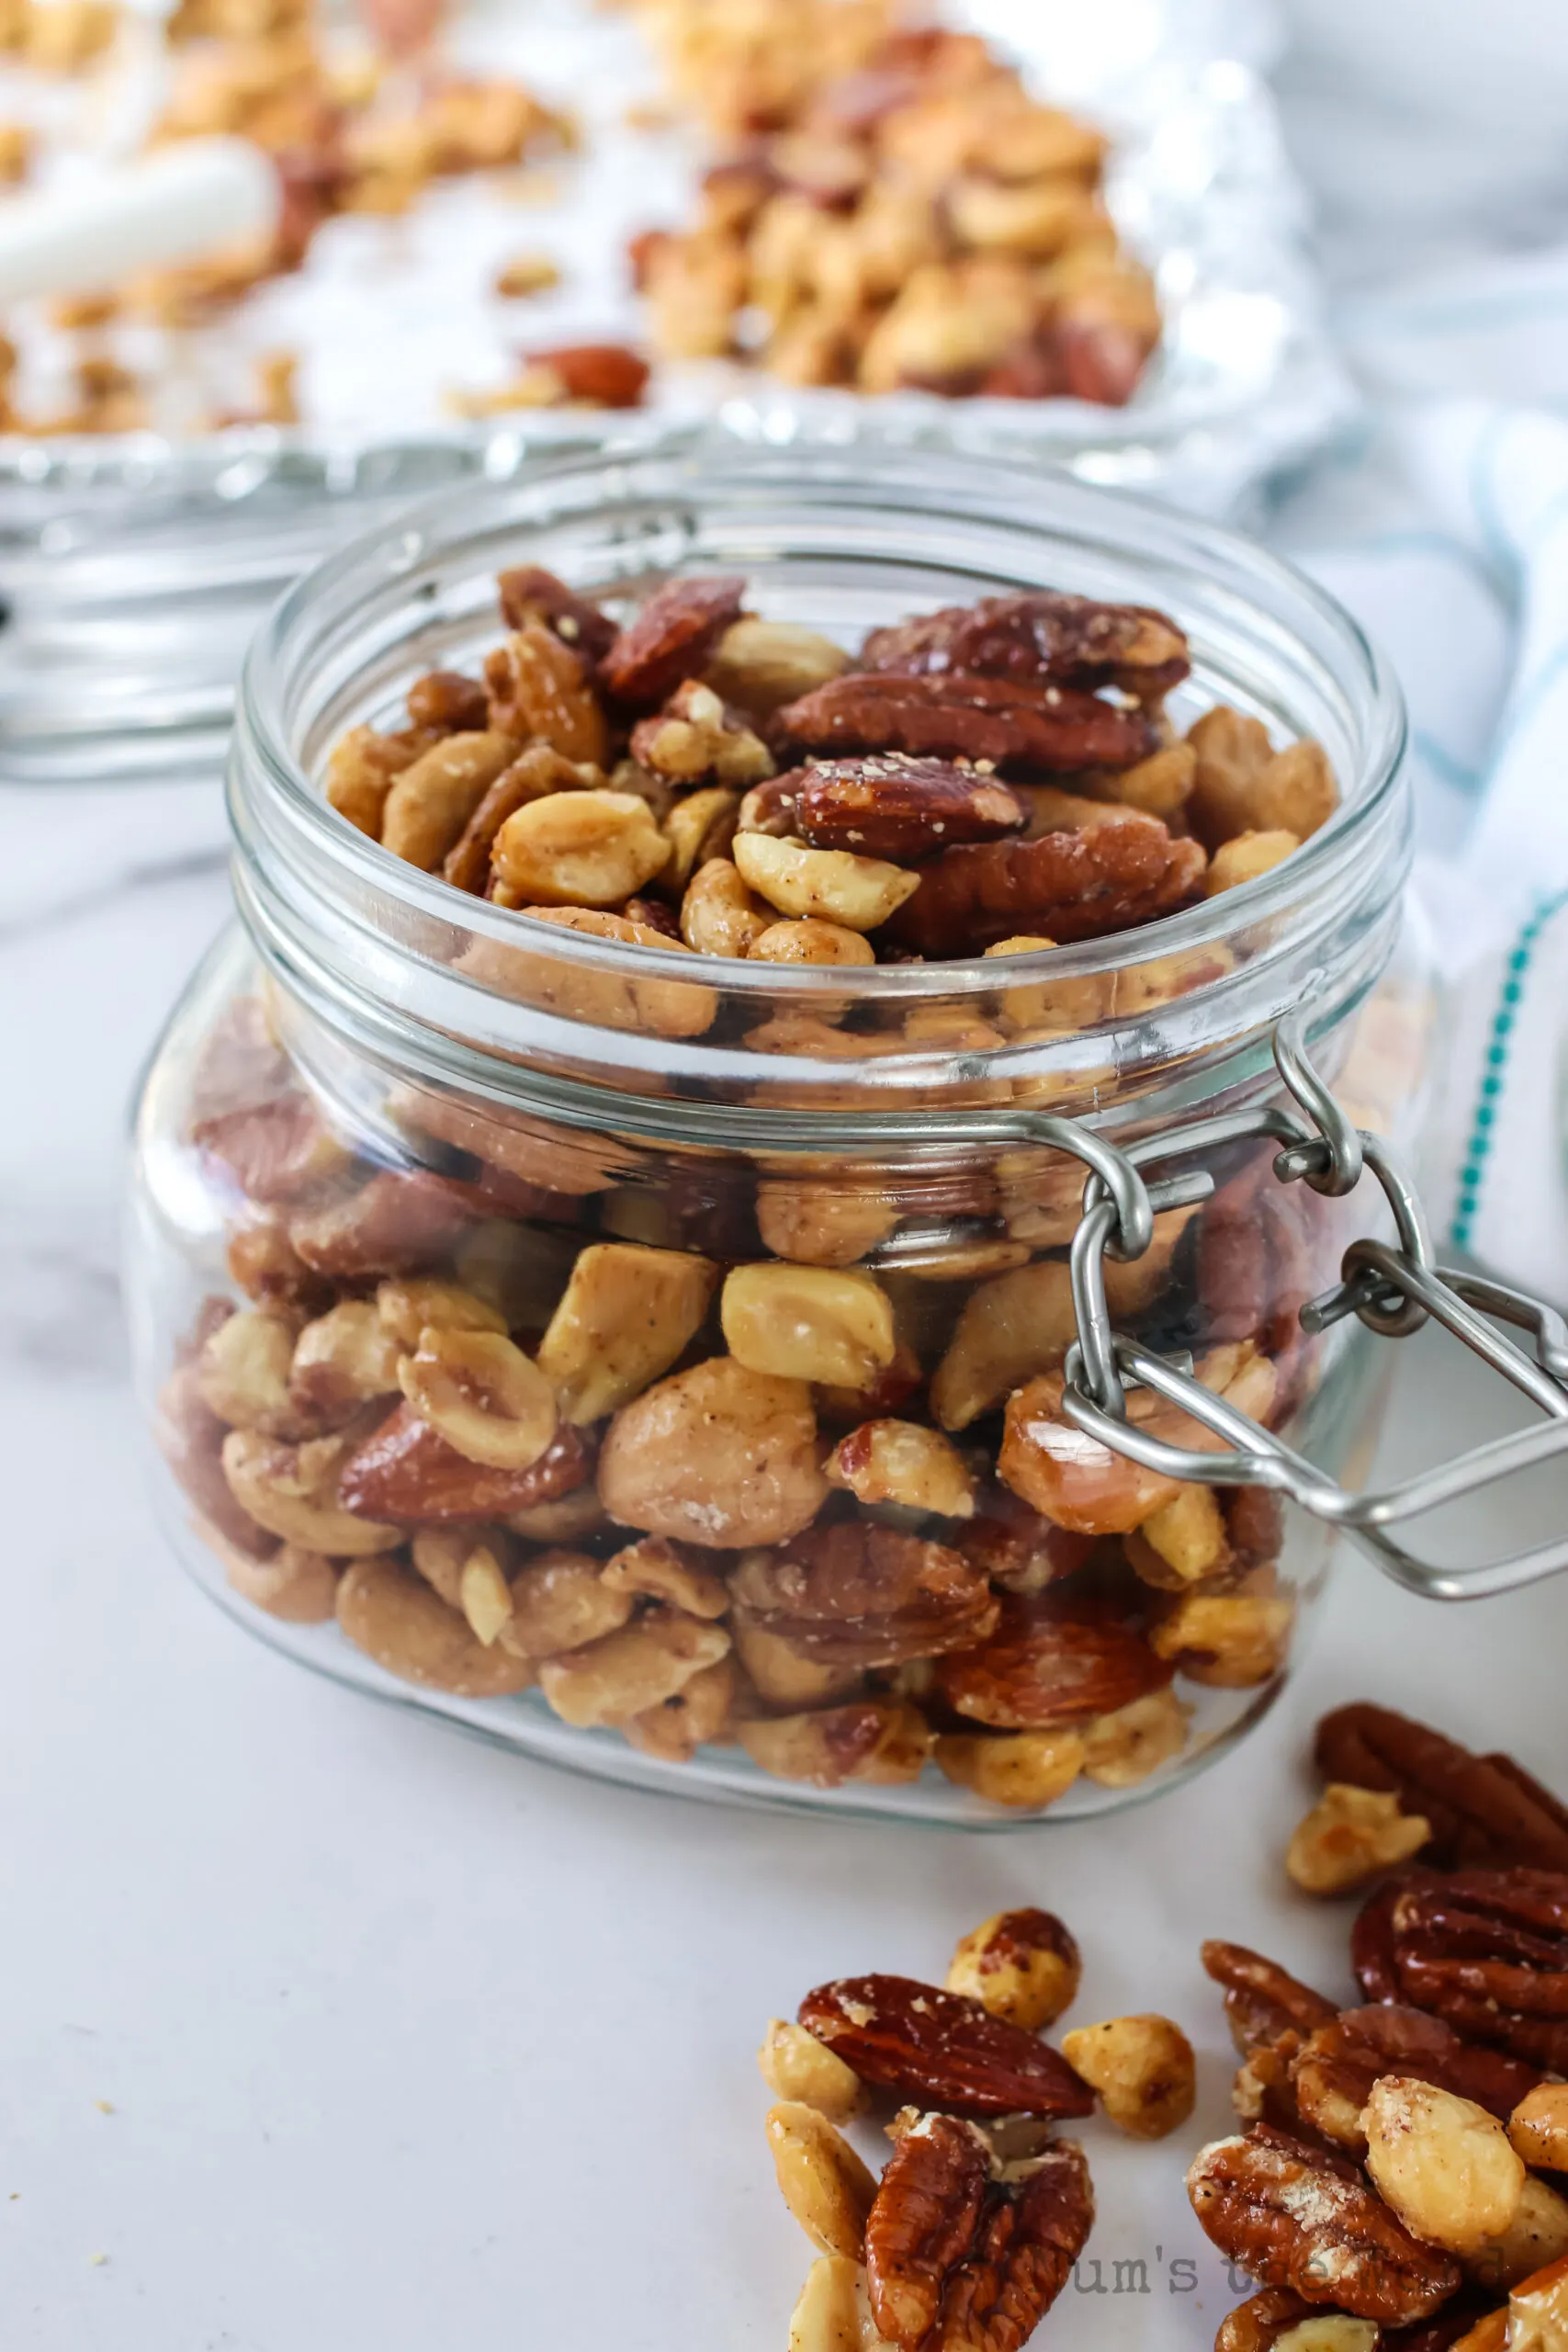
x=1029, y=1769
x=797, y=2067
x=937, y=2047
x=529, y=593
x=360, y=770
x=882, y=1741
x=267, y=1268
x=824, y=1224
x=275, y=1151
x=1065, y=886
x=719, y=914
x=580, y=849
x=858, y=892
x=1039, y=217
x=451, y=704
x=762, y=664
x=295, y=1491
x=1021, y=1966
x=662, y=1008
x=1082, y=1484
x=857, y=1593
x=784, y=1674
x=656, y=1569
x=813, y=1323
x=1263, y=1999
x=719, y=1455
x=625, y=1316
x=1333, y=2071
x=1247, y=855
x=533, y=775
x=539, y=692
x=1299, y=2217
x=1009, y=1329
x=1537, y=2312
x=1043, y=1667
x=242, y=1373
x=1441, y=2163
x=433, y=798
x=986, y=2265
x=1539, y=2126
x=1230, y=1641
x=700, y=1714
x=1350, y=1836
x=1537, y=2236
x=1232, y=749
x=482, y=1594
x=1036, y=635
x=479, y=1391
x=904, y=1463
x=1049, y=730
x=820, y=2177
x=190, y=1438
x=1143, y=2068
x=441, y=1554
x=561, y=1601
x=297, y=1585
x=888, y=807
x=1296, y=792
x=393, y=1615
x=525, y=273
x=406, y=1306
x=625, y=1673
x=568, y=1520
x=589, y=374
x=695, y=739
x=391, y=1226
x=407, y=1470
x=811, y=943
x=342, y=1360
x=699, y=826
x=1490, y=2334
x=1160, y=786
x=833, y=2311
x=1483, y=1809
x=672, y=639
x=1131, y=1743
x=1187, y=1535
x=1278, y=2318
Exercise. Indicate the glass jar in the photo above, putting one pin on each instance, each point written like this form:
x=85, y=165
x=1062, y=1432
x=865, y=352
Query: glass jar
x=791, y=1582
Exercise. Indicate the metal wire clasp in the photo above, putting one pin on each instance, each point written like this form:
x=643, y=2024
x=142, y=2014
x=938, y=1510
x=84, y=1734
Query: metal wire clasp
x=1391, y=1288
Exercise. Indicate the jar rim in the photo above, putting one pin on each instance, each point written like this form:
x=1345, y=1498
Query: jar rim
x=713, y=462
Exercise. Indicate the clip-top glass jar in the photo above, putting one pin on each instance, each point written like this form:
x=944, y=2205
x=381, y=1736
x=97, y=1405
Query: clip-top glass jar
x=732, y=1570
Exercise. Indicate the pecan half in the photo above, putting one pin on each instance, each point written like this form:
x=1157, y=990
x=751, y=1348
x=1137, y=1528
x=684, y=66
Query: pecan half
x=883, y=807
x=670, y=639
x=956, y=2263
x=1263, y=1999
x=529, y=593
x=1036, y=635
x=1064, y=886
x=1044, y=1665
x=1049, y=731
x=941, y=2049
x=405, y=1470
x=1333, y=2073
x=855, y=1593
x=1483, y=1809
x=1258, y=2325
x=1295, y=2216
x=1485, y=1951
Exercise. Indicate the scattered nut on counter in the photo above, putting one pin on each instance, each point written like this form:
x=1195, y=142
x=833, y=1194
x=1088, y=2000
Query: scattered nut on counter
x=971, y=2232
x=1399, y=2178
x=690, y=1462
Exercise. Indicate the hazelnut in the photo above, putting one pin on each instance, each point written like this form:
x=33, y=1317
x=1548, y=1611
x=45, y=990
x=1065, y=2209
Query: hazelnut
x=1143, y=2068
x=1348, y=1836
x=1021, y=1965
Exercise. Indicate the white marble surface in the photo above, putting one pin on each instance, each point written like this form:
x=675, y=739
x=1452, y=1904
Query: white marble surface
x=410, y=2044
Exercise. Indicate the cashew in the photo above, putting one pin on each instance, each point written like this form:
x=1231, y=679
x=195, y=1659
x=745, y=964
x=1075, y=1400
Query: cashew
x=807, y=1323
x=764, y=664
x=796, y=2067
x=1537, y=2236
x=1011, y=1328
x=859, y=892
x=903, y=1462
x=580, y=849
x=291, y=1490
x=700, y=826
x=243, y=1372
x=297, y=1585
x=608, y=998
x=627, y=1672
x=480, y=1393
x=810, y=943
x=719, y=914
x=395, y=1618
x=822, y=2180
x=719, y=1456
x=1026, y=1768
x=432, y=800
x=627, y=1314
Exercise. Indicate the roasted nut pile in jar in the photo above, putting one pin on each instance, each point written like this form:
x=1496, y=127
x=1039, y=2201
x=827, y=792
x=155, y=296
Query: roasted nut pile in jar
x=1399, y=2178
x=772, y=1456
x=895, y=210
x=971, y=2232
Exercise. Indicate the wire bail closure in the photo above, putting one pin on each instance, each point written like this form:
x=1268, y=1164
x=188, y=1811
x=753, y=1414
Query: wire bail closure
x=1393, y=1289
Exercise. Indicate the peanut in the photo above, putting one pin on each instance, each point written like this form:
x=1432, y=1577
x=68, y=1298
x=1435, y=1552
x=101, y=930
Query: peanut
x=291, y=1490
x=342, y=1360
x=808, y=1323
x=1129, y=1745
x=580, y=849
x=1537, y=2236
x=903, y=1462
x=480, y=1393
x=396, y=1619
x=858, y=892
x=408, y=1305
x=719, y=914
x=700, y=826
x=244, y=1373
x=433, y=799
x=625, y=1673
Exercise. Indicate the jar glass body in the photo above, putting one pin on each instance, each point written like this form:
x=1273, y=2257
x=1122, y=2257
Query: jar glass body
x=815, y=1579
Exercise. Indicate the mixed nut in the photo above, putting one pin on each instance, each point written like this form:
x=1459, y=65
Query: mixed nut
x=1394, y=2183
x=972, y=2231
x=750, y=1451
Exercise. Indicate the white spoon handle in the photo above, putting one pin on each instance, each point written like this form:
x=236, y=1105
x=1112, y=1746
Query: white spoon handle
x=180, y=202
